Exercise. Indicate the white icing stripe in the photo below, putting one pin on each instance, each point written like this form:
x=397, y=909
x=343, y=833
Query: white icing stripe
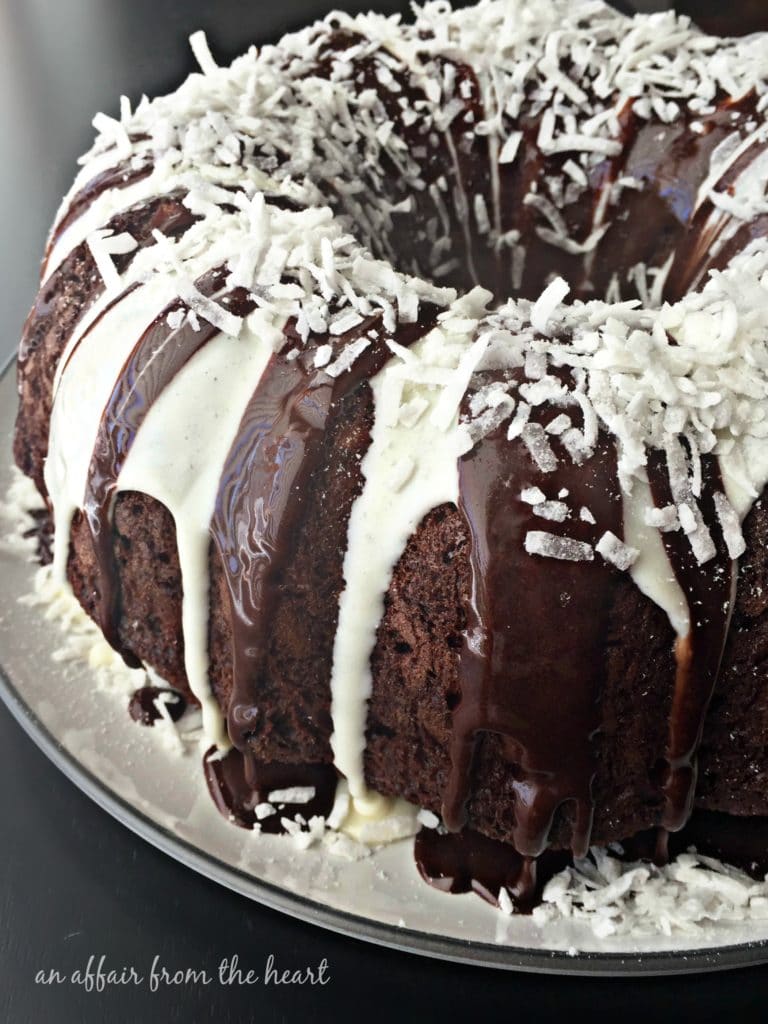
x=430, y=456
x=80, y=398
x=177, y=458
x=651, y=571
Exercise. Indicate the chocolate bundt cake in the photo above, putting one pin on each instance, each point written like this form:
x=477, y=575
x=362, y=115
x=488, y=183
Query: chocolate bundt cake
x=400, y=395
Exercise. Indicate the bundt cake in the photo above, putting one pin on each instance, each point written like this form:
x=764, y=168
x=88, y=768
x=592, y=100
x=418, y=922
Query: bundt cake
x=400, y=396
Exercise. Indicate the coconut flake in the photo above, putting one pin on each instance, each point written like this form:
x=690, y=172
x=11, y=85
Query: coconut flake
x=664, y=519
x=349, y=354
x=546, y=304
x=292, y=795
x=539, y=448
x=616, y=552
x=532, y=495
x=556, y=511
x=510, y=148
x=551, y=545
x=427, y=818
x=198, y=42
x=731, y=526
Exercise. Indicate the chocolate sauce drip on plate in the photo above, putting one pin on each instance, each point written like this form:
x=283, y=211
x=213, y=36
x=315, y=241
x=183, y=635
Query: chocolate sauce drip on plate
x=160, y=353
x=142, y=707
x=532, y=661
x=709, y=591
x=470, y=862
x=467, y=861
x=259, y=509
x=238, y=785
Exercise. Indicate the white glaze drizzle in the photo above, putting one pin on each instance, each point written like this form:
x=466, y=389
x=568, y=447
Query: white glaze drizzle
x=177, y=458
x=652, y=571
x=82, y=392
x=430, y=457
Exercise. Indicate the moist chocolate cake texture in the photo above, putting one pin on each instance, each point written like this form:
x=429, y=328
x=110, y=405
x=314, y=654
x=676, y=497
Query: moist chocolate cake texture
x=399, y=396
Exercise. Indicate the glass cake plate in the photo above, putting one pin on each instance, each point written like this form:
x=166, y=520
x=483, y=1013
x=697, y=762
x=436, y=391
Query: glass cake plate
x=161, y=795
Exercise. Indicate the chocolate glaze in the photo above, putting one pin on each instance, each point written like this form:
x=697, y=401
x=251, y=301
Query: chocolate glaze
x=467, y=861
x=709, y=590
x=470, y=862
x=237, y=785
x=259, y=512
x=532, y=659
x=143, y=709
x=160, y=353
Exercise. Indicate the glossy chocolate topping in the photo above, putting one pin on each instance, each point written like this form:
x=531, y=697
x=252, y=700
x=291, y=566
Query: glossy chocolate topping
x=469, y=862
x=259, y=511
x=532, y=660
x=238, y=786
x=142, y=707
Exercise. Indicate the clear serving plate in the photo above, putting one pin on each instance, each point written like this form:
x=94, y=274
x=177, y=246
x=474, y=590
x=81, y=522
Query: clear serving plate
x=161, y=795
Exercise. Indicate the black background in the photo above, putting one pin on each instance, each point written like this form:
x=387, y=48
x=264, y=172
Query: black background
x=73, y=882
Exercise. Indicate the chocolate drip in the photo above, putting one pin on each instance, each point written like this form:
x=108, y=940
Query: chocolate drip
x=532, y=661
x=142, y=707
x=160, y=353
x=709, y=590
x=259, y=510
x=470, y=862
x=238, y=785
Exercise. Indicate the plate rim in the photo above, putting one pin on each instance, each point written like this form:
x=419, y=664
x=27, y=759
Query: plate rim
x=435, y=946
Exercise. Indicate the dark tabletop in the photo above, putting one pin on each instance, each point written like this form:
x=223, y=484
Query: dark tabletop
x=76, y=885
